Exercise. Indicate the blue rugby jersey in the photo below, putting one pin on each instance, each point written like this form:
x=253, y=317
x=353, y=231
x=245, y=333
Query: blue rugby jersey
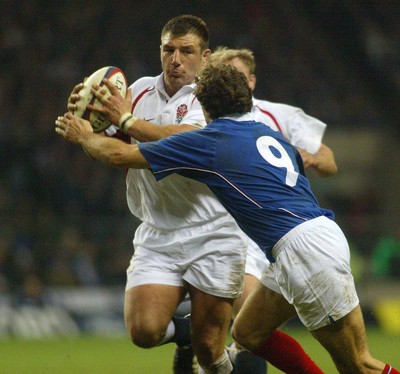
x=255, y=173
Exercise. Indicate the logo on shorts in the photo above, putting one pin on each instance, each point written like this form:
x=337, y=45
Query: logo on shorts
x=181, y=112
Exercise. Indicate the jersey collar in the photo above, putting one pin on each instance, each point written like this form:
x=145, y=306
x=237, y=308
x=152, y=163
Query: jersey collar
x=240, y=117
x=160, y=86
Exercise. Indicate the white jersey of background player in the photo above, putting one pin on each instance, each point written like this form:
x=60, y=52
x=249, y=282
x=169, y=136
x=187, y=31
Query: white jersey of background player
x=301, y=130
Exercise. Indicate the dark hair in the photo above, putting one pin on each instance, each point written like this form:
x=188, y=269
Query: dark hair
x=223, y=90
x=188, y=24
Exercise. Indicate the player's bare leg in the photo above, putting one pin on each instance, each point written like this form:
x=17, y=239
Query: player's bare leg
x=250, y=281
x=243, y=360
x=346, y=342
x=149, y=310
x=210, y=321
x=262, y=313
x=255, y=328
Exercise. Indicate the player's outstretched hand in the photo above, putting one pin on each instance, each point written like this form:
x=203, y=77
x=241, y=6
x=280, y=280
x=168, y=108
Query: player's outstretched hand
x=72, y=128
x=113, y=104
x=74, y=97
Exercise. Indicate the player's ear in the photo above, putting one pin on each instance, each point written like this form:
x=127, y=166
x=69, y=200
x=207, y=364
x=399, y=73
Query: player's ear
x=206, y=56
x=252, y=81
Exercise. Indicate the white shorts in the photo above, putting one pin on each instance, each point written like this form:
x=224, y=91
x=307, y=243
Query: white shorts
x=256, y=261
x=210, y=257
x=312, y=271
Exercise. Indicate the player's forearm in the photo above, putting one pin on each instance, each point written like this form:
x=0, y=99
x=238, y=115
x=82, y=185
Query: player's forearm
x=113, y=151
x=107, y=150
x=145, y=131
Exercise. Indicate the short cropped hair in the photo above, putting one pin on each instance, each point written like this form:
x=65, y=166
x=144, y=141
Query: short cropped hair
x=188, y=24
x=223, y=90
x=222, y=55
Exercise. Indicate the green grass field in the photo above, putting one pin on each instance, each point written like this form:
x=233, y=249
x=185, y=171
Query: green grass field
x=87, y=355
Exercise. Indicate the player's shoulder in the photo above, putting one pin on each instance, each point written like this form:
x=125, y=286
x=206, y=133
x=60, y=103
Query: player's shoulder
x=143, y=83
x=275, y=108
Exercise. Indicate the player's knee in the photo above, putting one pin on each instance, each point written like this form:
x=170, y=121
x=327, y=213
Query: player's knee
x=144, y=336
x=243, y=338
x=205, y=352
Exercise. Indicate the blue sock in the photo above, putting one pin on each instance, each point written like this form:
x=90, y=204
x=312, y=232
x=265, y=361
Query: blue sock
x=182, y=331
x=246, y=363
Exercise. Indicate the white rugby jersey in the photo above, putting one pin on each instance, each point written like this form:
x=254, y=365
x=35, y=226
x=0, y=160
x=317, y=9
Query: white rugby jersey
x=300, y=129
x=174, y=202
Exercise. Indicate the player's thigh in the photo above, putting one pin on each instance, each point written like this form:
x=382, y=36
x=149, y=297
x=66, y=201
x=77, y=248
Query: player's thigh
x=216, y=258
x=256, y=265
x=263, y=312
x=210, y=314
x=250, y=282
x=151, y=306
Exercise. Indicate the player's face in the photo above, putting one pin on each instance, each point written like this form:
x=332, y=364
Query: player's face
x=243, y=68
x=182, y=60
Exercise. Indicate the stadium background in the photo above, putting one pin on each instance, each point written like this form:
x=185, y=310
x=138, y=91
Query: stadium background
x=65, y=230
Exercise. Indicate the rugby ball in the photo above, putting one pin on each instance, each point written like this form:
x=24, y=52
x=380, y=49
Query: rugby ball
x=98, y=120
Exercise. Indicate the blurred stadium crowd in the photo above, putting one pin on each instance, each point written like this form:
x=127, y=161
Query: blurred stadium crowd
x=63, y=218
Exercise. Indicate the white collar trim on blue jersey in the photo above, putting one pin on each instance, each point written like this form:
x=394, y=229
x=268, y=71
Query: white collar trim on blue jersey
x=240, y=117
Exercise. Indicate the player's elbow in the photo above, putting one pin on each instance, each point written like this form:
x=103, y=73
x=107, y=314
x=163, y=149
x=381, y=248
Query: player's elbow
x=127, y=157
x=118, y=159
x=333, y=170
x=329, y=171
x=325, y=162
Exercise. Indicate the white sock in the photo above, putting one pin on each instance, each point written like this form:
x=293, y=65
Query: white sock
x=222, y=366
x=232, y=352
x=169, y=334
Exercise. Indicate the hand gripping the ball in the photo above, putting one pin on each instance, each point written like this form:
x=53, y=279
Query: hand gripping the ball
x=100, y=98
x=113, y=104
x=74, y=97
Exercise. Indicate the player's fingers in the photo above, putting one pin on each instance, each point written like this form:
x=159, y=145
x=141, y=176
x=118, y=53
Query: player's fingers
x=112, y=87
x=97, y=109
x=60, y=125
x=74, y=97
x=105, y=96
x=72, y=107
x=60, y=121
x=77, y=88
x=101, y=93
